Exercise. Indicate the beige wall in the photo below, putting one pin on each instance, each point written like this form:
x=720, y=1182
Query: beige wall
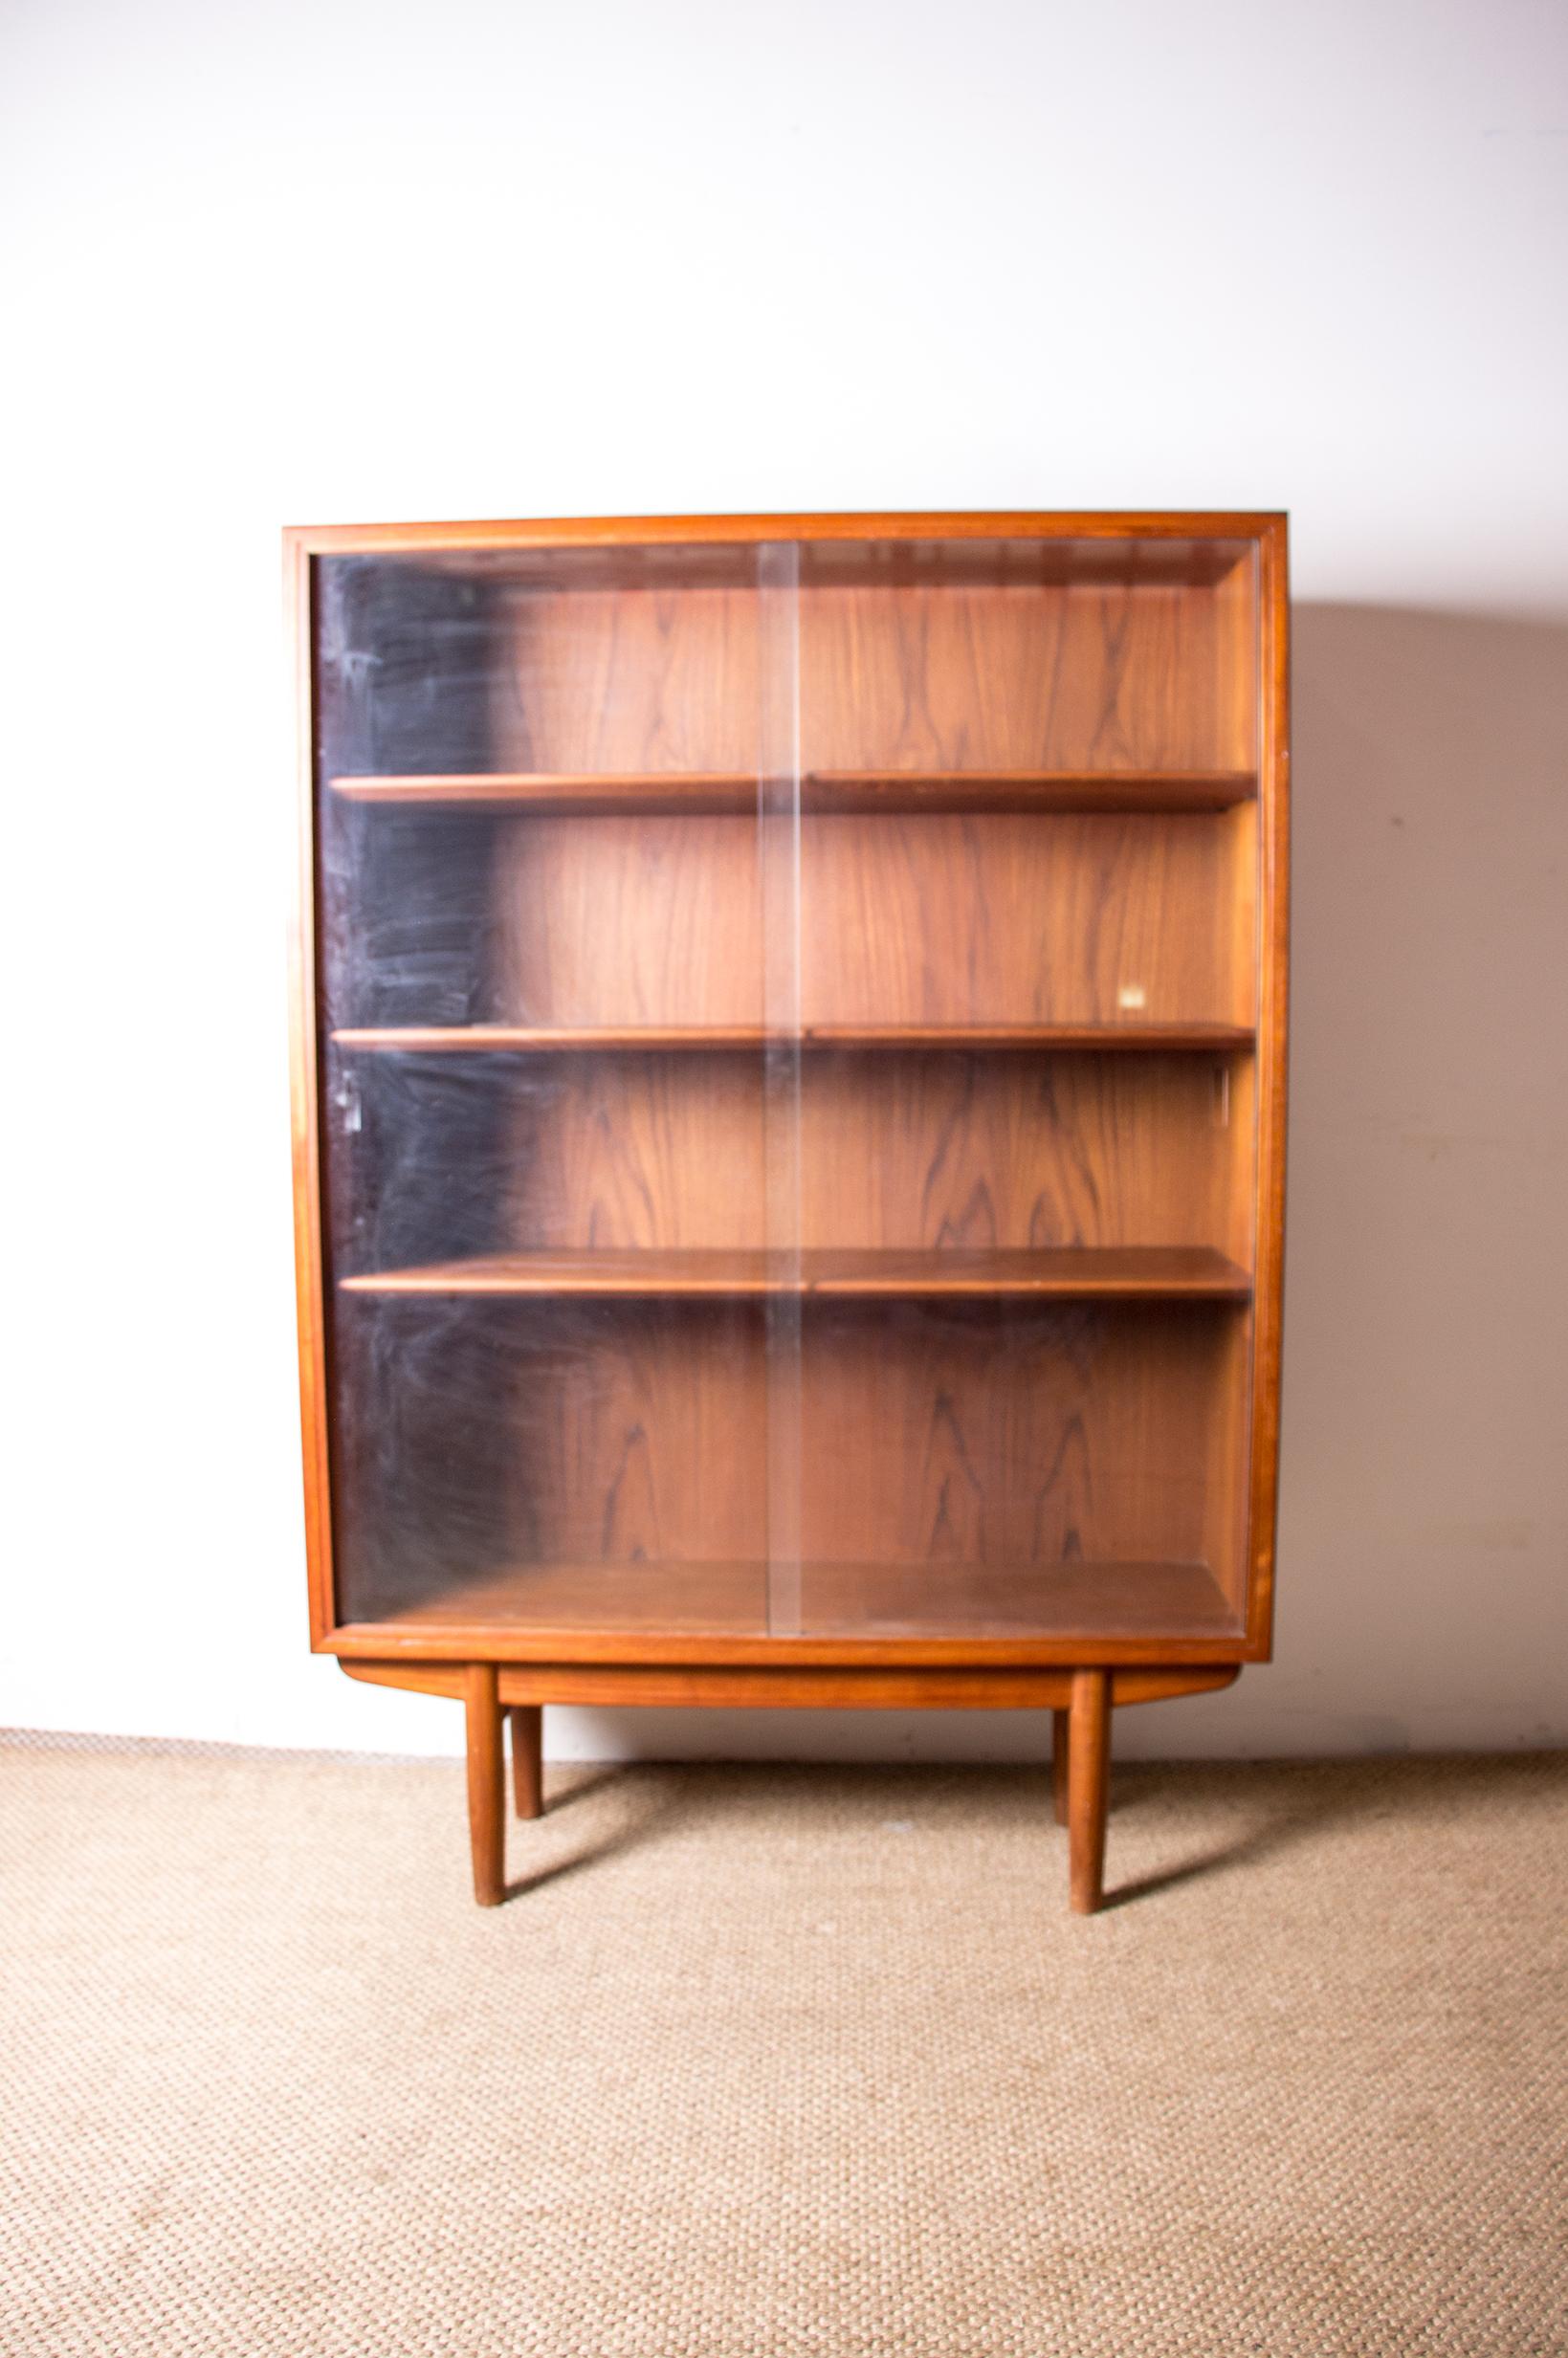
x=320, y=260
x=1424, y=1524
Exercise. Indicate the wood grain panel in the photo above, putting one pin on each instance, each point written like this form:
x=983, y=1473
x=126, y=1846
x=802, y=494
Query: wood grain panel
x=639, y=1153
x=930, y=920
x=615, y=921
x=1273, y=990
x=1081, y=1599
x=983, y=789
x=1245, y=946
x=1008, y=1436
x=639, y=1434
x=679, y=1598
x=933, y=1658
x=1006, y=920
x=625, y=679
x=1240, y=701
x=1007, y=1152
x=690, y=1685
x=974, y=674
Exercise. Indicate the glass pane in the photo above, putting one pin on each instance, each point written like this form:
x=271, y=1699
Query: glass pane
x=789, y=1086
x=1028, y=982
x=560, y=1131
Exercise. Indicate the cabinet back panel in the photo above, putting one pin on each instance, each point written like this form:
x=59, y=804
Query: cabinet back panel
x=629, y=921
x=641, y=1434
x=1021, y=919
x=1032, y=1152
x=993, y=1436
x=980, y=676
x=624, y=680
x=901, y=1152
x=903, y=919
x=632, y=1152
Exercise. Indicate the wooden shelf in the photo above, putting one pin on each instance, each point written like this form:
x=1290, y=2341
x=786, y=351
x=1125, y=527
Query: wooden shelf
x=1025, y=790
x=847, y=1603
x=1102, y=1273
x=552, y=793
x=1091, y=1037
x=600, y=794
x=539, y=1039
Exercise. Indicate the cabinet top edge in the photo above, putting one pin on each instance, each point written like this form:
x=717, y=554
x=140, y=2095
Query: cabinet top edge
x=577, y=532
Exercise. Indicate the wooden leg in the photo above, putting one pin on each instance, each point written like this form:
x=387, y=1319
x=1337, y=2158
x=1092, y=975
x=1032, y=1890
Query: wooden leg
x=486, y=1784
x=528, y=1758
x=1089, y=1744
x=1058, y=1764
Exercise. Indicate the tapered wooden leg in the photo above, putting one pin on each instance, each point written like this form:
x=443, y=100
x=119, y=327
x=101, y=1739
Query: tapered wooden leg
x=1058, y=1764
x=528, y=1758
x=486, y=1784
x=1088, y=1747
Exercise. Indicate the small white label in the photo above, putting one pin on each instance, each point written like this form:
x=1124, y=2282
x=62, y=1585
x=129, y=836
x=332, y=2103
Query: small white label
x=1131, y=997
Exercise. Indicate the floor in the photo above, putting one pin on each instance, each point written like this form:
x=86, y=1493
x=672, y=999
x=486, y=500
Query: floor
x=761, y=2063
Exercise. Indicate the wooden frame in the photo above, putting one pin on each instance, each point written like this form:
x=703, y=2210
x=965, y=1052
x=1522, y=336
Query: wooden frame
x=1144, y=814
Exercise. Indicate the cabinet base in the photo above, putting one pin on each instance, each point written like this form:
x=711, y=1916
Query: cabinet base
x=1080, y=1701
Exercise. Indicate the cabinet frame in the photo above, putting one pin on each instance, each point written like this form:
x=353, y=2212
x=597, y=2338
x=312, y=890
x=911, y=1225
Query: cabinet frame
x=898, y=1672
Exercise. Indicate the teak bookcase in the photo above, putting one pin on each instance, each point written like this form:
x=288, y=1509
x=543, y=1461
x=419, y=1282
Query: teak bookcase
x=789, y=1061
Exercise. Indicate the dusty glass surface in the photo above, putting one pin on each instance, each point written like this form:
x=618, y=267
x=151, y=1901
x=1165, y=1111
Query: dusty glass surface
x=787, y=1085
x=558, y=878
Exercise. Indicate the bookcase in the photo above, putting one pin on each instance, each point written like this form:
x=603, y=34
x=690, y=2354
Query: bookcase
x=789, y=1086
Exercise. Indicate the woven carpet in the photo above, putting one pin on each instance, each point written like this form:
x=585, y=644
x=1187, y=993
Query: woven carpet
x=759, y=2062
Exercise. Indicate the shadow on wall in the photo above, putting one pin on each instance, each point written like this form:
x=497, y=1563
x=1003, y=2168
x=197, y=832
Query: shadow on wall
x=1423, y=1527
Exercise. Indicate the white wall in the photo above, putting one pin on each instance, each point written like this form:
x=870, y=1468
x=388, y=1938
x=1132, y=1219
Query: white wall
x=324, y=261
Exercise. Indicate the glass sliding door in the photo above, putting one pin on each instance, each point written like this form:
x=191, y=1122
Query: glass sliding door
x=1028, y=781
x=789, y=1023
x=556, y=825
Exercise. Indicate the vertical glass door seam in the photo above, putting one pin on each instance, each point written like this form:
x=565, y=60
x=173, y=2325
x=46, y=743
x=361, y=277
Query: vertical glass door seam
x=779, y=875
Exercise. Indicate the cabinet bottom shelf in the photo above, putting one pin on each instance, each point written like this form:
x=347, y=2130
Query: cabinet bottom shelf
x=950, y=1602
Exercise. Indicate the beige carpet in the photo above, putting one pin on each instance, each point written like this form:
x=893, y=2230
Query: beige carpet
x=777, y=2061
